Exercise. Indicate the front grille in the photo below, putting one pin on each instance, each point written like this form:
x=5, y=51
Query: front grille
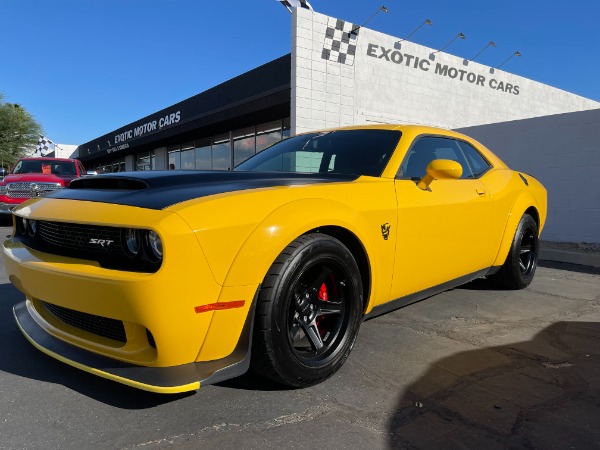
x=88, y=238
x=101, y=326
x=25, y=190
x=102, y=244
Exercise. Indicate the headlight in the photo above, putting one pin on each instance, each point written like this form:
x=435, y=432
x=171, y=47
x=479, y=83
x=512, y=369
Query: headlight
x=132, y=241
x=155, y=245
x=2, y=189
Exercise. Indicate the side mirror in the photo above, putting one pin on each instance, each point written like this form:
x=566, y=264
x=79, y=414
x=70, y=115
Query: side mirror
x=440, y=169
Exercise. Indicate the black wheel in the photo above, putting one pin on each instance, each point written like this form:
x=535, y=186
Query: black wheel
x=308, y=313
x=519, y=268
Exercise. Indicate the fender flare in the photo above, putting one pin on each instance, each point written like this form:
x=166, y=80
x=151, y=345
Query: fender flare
x=286, y=223
x=521, y=205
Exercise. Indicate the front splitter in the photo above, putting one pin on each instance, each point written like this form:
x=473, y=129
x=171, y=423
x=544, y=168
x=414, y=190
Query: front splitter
x=162, y=380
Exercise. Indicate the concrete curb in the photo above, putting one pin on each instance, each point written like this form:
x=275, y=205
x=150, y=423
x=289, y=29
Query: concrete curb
x=584, y=259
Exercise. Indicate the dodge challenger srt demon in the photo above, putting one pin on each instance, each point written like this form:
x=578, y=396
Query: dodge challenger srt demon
x=166, y=281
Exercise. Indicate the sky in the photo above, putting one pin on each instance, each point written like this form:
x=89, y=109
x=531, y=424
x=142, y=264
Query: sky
x=83, y=68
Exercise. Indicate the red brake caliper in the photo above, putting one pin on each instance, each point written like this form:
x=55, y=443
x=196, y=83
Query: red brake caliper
x=323, y=296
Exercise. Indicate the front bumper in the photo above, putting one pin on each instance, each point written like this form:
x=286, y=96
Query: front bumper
x=163, y=331
x=162, y=380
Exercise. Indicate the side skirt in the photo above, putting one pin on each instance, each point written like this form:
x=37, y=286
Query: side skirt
x=429, y=292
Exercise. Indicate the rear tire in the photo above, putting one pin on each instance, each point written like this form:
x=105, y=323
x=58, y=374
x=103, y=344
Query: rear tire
x=519, y=268
x=308, y=313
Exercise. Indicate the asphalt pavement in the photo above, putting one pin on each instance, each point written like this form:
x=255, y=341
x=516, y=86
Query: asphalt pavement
x=469, y=368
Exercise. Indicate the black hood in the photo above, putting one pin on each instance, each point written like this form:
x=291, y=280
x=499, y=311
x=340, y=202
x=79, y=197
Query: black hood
x=161, y=189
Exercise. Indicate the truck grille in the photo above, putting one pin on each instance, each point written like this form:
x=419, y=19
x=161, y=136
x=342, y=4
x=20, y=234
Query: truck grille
x=80, y=237
x=101, y=326
x=28, y=190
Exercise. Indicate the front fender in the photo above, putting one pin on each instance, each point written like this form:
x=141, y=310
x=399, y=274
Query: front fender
x=285, y=224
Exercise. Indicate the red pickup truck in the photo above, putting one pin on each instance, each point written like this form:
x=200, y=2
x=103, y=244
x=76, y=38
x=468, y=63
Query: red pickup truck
x=34, y=177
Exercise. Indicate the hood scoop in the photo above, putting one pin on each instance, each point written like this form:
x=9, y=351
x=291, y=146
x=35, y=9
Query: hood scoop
x=109, y=183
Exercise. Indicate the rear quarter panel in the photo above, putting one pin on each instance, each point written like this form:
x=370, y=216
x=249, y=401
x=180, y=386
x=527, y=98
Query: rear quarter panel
x=512, y=198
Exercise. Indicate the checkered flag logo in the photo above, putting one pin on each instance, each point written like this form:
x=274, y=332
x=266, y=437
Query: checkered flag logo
x=340, y=41
x=289, y=4
x=43, y=145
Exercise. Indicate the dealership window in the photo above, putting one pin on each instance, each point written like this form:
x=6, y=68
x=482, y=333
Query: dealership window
x=244, y=145
x=267, y=134
x=111, y=166
x=221, y=152
x=287, y=128
x=203, y=154
x=174, y=154
x=145, y=161
x=216, y=152
x=188, y=159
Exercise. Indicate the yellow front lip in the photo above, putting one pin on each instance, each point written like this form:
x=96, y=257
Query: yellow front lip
x=186, y=387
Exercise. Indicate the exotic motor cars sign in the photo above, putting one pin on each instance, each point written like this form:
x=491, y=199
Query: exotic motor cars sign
x=397, y=57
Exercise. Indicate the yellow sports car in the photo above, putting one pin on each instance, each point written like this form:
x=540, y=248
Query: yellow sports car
x=167, y=281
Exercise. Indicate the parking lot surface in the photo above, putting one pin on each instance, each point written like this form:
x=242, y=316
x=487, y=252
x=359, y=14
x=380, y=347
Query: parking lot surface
x=469, y=368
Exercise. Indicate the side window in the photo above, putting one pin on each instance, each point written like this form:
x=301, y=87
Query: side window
x=476, y=161
x=425, y=150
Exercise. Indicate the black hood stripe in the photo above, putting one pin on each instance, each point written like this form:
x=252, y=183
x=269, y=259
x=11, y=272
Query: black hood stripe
x=161, y=189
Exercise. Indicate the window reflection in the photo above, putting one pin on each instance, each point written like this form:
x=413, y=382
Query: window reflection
x=244, y=143
x=221, y=153
x=215, y=153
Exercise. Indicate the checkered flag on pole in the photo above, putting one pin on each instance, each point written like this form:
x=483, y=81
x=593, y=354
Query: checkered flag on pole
x=44, y=144
x=289, y=4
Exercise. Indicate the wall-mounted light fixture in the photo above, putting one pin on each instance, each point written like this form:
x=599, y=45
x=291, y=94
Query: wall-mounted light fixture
x=397, y=45
x=490, y=44
x=459, y=35
x=381, y=8
x=516, y=53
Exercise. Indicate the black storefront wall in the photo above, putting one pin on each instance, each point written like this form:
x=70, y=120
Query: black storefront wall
x=257, y=96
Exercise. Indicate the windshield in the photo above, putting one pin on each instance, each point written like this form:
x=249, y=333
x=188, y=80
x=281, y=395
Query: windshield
x=66, y=168
x=358, y=152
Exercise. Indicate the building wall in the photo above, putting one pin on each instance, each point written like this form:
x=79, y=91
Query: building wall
x=563, y=152
x=390, y=81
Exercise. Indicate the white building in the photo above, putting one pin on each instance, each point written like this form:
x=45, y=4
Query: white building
x=341, y=74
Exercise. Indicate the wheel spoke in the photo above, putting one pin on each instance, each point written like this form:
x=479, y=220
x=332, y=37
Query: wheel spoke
x=326, y=308
x=523, y=268
x=295, y=333
x=312, y=333
x=526, y=249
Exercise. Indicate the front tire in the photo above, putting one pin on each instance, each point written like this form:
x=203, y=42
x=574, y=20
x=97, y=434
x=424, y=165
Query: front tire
x=519, y=268
x=308, y=313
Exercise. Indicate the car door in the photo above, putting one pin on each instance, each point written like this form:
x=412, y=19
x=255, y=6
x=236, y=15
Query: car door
x=443, y=232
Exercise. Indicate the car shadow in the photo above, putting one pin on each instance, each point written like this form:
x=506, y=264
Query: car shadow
x=252, y=382
x=481, y=284
x=19, y=357
x=539, y=393
x=569, y=267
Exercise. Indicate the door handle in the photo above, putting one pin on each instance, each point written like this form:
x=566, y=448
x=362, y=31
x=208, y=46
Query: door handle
x=480, y=191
